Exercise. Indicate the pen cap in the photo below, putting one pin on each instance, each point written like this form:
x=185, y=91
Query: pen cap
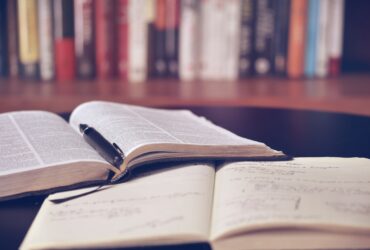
x=83, y=127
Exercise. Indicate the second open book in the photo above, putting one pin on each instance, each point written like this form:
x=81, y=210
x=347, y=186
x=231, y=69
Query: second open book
x=306, y=203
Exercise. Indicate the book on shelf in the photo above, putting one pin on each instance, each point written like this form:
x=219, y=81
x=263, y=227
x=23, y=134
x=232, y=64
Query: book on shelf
x=297, y=38
x=65, y=60
x=189, y=36
x=282, y=8
x=29, y=51
x=336, y=12
x=84, y=38
x=12, y=38
x=306, y=203
x=322, y=49
x=105, y=38
x=159, y=54
x=46, y=39
x=264, y=37
x=172, y=20
x=3, y=40
x=206, y=40
x=40, y=148
x=246, y=38
x=311, y=38
x=137, y=41
x=122, y=38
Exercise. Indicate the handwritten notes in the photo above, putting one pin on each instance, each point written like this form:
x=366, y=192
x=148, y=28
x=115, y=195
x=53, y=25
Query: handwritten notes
x=171, y=204
x=324, y=191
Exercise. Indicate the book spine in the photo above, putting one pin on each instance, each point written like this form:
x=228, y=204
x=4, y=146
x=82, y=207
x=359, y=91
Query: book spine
x=45, y=21
x=263, y=45
x=28, y=38
x=205, y=51
x=213, y=40
x=246, y=38
x=322, y=55
x=106, y=56
x=138, y=39
x=172, y=37
x=12, y=33
x=64, y=40
x=84, y=38
x=3, y=40
x=297, y=38
x=160, y=65
x=336, y=36
x=189, y=38
x=151, y=14
x=122, y=46
x=281, y=36
x=232, y=17
x=312, y=30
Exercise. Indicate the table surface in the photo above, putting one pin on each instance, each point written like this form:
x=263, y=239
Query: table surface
x=297, y=133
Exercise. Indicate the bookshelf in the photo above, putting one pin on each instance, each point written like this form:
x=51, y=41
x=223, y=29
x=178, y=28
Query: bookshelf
x=349, y=93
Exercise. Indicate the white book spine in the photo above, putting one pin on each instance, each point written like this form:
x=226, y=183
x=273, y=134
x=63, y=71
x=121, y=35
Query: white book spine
x=137, y=41
x=213, y=40
x=189, y=39
x=45, y=23
x=205, y=39
x=322, y=55
x=232, y=16
x=336, y=8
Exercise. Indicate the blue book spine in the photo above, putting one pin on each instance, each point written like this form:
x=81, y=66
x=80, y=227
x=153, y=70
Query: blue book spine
x=312, y=28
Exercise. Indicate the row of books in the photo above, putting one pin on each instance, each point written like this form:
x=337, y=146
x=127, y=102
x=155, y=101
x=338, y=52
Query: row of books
x=188, y=39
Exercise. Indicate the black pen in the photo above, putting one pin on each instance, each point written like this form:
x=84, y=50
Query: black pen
x=110, y=152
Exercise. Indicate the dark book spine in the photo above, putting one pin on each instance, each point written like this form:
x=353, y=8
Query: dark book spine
x=172, y=37
x=246, y=38
x=28, y=35
x=3, y=40
x=282, y=8
x=122, y=46
x=264, y=37
x=160, y=65
x=12, y=33
x=84, y=38
x=105, y=42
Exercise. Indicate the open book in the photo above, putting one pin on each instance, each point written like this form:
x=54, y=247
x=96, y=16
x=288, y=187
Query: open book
x=41, y=149
x=306, y=203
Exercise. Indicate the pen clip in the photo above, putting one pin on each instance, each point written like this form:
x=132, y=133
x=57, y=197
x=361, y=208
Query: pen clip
x=118, y=149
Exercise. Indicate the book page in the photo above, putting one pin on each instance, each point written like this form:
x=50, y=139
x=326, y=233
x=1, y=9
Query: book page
x=330, y=193
x=163, y=207
x=36, y=139
x=131, y=126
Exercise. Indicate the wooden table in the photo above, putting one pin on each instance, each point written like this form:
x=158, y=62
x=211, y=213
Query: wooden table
x=297, y=133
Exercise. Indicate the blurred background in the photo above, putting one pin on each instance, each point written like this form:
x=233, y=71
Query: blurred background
x=295, y=54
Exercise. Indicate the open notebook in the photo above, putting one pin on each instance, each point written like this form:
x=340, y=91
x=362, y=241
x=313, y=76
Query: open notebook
x=307, y=203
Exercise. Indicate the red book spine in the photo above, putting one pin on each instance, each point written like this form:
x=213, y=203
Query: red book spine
x=65, y=59
x=65, y=66
x=122, y=23
x=334, y=66
x=104, y=38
